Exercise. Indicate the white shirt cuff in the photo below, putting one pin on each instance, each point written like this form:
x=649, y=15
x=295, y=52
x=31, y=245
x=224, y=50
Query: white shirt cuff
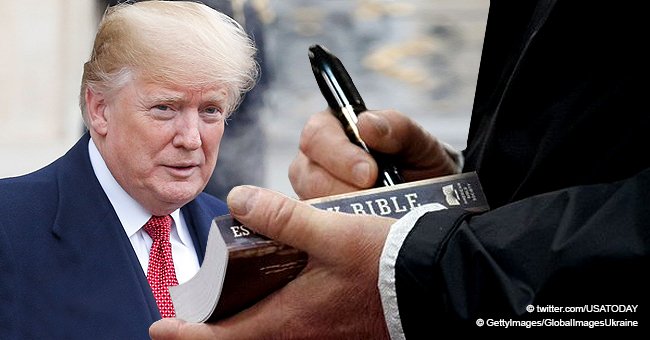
x=386, y=283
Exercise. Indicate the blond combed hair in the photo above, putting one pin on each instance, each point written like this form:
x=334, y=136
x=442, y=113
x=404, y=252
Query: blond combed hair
x=176, y=42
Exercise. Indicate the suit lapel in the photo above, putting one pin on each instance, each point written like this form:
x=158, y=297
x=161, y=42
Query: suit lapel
x=88, y=225
x=198, y=222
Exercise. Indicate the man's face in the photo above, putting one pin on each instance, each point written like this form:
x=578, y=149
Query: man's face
x=161, y=141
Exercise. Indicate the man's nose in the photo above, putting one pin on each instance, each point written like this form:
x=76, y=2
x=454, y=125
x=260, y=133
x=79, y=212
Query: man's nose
x=188, y=135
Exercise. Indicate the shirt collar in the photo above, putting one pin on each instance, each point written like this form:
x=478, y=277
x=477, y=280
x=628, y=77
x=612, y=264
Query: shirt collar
x=131, y=214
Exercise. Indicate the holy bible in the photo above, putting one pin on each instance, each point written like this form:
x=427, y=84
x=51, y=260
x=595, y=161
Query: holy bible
x=241, y=267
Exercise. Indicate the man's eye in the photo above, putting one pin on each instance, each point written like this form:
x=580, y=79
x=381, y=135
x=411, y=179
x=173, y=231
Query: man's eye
x=162, y=111
x=213, y=112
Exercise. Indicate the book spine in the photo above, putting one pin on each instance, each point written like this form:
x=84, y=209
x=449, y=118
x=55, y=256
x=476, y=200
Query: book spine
x=458, y=191
x=451, y=192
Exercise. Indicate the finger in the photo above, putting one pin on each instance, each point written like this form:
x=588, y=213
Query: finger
x=324, y=142
x=172, y=329
x=310, y=180
x=419, y=153
x=392, y=132
x=241, y=326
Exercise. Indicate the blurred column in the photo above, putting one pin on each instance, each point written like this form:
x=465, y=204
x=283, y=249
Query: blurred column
x=44, y=45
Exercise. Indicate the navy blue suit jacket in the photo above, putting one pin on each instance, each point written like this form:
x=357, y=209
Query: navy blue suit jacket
x=67, y=268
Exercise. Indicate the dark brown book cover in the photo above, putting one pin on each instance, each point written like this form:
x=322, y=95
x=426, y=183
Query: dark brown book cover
x=241, y=267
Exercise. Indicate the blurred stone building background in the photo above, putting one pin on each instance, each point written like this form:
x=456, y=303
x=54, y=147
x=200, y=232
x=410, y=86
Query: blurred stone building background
x=418, y=56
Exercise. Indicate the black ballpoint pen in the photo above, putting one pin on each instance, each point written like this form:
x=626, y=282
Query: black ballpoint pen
x=343, y=98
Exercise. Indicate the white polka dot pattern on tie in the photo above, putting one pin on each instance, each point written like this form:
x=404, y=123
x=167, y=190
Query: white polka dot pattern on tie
x=161, y=273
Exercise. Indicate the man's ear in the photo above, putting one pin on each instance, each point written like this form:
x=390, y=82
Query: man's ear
x=97, y=111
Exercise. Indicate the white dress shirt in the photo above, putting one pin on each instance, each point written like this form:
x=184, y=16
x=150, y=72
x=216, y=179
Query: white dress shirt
x=133, y=217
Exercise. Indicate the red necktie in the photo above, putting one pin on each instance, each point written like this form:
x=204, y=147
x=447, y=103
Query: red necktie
x=161, y=273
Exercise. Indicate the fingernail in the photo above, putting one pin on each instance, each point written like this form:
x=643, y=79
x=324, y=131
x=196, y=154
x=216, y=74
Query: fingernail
x=241, y=199
x=361, y=172
x=378, y=122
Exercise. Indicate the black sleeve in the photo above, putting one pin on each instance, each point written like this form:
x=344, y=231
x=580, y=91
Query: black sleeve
x=581, y=246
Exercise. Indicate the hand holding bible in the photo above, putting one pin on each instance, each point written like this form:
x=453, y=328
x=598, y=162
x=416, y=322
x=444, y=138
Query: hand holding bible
x=340, y=278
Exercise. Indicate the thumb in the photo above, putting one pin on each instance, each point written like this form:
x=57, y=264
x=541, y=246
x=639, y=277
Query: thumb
x=281, y=218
